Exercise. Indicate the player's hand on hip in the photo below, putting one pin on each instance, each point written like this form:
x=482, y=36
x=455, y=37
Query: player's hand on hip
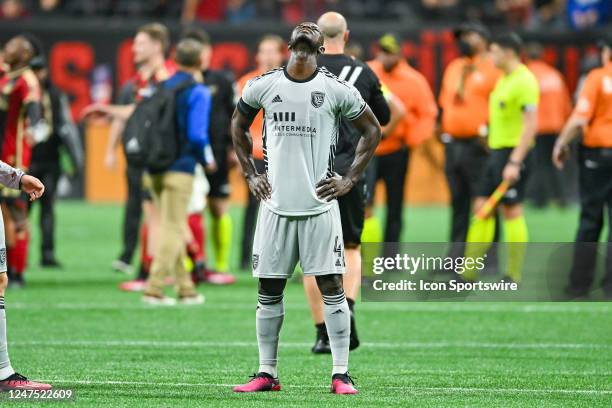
x=260, y=186
x=332, y=187
x=512, y=173
x=560, y=154
x=32, y=186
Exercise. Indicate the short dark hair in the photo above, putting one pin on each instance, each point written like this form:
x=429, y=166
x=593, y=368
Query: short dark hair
x=197, y=34
x=157, y=32
x=510, y=41
x=188, y=53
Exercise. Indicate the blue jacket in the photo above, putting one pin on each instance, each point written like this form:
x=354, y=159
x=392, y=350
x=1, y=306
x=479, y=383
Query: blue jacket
x=193, y=117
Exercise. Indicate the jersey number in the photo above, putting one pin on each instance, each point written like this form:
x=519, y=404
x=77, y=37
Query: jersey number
x=346, y=70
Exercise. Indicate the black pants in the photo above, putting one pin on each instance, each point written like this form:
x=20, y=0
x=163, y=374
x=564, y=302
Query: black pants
x=595, y=175
x=250, y=218
x=49, y=175
x=133, y=213
x=464, y=165
x=545, y=181
x=392, y=170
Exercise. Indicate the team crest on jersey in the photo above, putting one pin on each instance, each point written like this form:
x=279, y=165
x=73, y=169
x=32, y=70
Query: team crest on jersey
x=317, y=98
x=255, y=261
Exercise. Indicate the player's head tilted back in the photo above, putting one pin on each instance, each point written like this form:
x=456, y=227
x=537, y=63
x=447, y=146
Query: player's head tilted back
x=306, y=43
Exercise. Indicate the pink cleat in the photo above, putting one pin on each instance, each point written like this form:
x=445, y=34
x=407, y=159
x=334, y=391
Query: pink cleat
x=19, y=382
x=343, y=384
x=259, y=382
x=218, y=278
x=136, y=285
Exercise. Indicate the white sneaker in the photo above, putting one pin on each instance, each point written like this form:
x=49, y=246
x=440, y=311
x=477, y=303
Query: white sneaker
x=192, y=300
x=158, y=301
x=119, y=266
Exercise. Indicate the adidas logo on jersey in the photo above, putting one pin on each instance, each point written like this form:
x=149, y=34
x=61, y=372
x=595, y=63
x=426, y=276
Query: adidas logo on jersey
x=277, y=98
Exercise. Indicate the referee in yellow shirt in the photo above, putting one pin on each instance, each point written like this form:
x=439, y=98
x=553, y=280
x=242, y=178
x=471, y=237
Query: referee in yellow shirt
x=512, y=128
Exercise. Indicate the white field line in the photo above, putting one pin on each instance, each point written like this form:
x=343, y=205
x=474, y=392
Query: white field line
x=440, y=307
x=404, y=389
x=373, y=345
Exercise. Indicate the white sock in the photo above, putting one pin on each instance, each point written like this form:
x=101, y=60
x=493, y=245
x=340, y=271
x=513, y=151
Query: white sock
x=269, y=319
x=5, y=363
x=338, y=323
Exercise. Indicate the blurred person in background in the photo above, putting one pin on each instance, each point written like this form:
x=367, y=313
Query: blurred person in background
x=392, y=154
x=46, y=166
x=593, y=115
x=352, y=205
x=203, y=10
x=467, y=83
x=221, y=88
x=270, y=55
x=548, y=13
x=13, y=10
x=546, y=183
x=172, y=188
x=584, y=15
x=22, y=125
x=240, y=11
x=150, y=45
x=513, y=121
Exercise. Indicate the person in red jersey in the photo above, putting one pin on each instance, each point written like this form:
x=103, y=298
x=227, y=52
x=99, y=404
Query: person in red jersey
x=22, y=125
x=13, y=178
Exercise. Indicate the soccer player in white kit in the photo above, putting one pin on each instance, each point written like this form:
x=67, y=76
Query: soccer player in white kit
x=299, y=218
x=9, y=379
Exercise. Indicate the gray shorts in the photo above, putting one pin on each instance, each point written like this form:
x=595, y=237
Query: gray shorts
x=315, y=241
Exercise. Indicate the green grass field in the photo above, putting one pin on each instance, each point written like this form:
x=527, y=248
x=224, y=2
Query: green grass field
x=73, y=328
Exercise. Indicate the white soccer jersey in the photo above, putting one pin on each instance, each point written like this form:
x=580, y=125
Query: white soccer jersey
x=300, y=131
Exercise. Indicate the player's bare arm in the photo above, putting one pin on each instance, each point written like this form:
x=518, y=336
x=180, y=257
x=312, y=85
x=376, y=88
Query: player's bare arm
x=122, y=112
x=243, y=146
x=336, y=186
x=570, y=131
x=512, y=170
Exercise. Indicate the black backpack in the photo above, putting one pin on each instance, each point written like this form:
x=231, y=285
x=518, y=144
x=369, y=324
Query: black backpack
x=151, y=137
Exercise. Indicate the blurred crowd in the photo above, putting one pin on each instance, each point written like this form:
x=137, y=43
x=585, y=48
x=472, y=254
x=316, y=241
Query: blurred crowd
x=529, y=14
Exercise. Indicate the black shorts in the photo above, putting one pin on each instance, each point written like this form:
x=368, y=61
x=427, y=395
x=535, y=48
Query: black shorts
x=352, y=213
x=219, y=180
x=492, y=177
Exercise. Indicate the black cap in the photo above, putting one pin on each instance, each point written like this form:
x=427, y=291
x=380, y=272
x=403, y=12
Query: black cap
x=474, y=27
